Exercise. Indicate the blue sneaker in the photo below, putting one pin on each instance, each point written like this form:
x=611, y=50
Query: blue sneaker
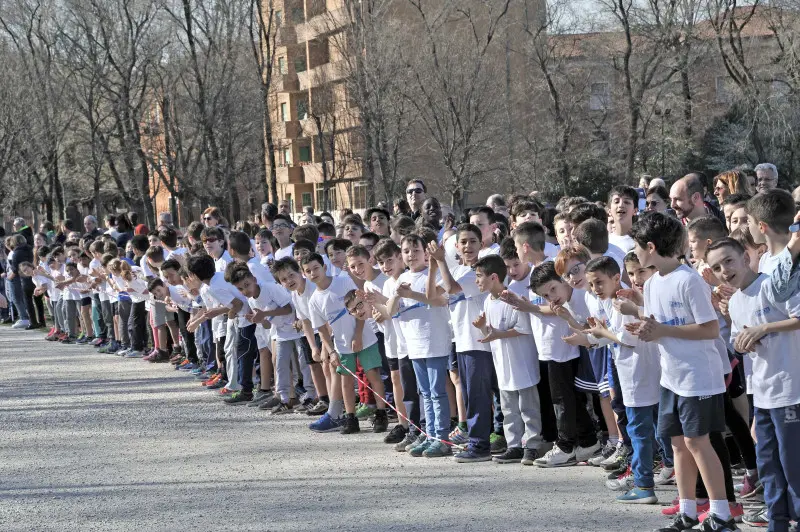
x=327, y=424
x=187, y=367
x=417, y=451
x=197, y=371
x=638, y=496
x=470, y=455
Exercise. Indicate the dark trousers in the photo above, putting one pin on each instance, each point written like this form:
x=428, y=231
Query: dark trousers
x=778, y=433
x=572, y=419
x=718, y=443
x=38, y=302
x=741, y=433
x=246, y=355
x=188, y=338
x=410, y=392
x=107, y=310
x=27, y=294
x=137, y=326
x=475, y=370
x=124, y=311
x=549, y=425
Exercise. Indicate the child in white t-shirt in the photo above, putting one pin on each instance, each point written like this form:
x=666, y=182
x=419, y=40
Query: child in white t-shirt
x=769, y=332
x=508, y=332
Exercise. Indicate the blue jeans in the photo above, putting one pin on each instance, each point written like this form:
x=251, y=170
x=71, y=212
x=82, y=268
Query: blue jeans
x=777, y=434
x=19, y=297
x=432, y=375
x=642, y=431
x=475, y=371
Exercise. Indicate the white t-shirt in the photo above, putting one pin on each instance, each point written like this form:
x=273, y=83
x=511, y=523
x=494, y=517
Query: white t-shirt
x=302, y=302
x=137, y=286
x=283, y=253
x=260, y=271
x=180, y=296
x=393, y=340
x=548, y=331
x=327, y=306
x=617, y=255
x=624, y=242
x=638, y=363
x=689, y=368
x=515, y=359
x=425, y=329
x=776, y=366
x=582, y=305
x=767, y=262
x=224, y=292
x=494, y=249
x=551, y=250
x=376, y=285
x=271, y=297
x=176, y=253
x=222, y=262
x=464, y=309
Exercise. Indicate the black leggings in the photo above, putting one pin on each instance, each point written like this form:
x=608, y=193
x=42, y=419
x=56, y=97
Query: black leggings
x=718, y=443
x=741, y=434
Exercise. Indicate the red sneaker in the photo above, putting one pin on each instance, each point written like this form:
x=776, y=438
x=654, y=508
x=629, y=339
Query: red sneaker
x=225, y=391
x=213, y=380
x=675, y=509
x=737, y=511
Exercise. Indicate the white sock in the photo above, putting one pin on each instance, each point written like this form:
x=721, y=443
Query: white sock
x=689, y=507
x=752, y=472
x=614, y=442
x=335, y=409
x=721, y=509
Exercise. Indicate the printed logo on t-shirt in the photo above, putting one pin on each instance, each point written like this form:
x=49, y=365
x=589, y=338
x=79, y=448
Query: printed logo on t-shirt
x=675, y=304
x=538, y=300
x=763, y=312
x=671, y=321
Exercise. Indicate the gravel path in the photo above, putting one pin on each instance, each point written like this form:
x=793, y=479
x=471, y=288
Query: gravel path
x=94, y=442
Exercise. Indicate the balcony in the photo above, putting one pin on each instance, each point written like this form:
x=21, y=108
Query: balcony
x=288, y=130
x=322, y=74
x=286, y=82
x=285, y=36
x=345, y=119
x=344, y=169
x=290, y=174
x=324, y=24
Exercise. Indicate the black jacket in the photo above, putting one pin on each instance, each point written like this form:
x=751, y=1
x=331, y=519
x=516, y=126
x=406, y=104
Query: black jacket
x=27, y=232
x=23, y=253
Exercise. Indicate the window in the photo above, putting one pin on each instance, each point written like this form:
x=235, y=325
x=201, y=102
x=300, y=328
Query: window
x=297, y=15
x=599, y=99
x=302, y=109
x=284, y=112
x=306, y=199
x=287, y=156
x=724, y=87
x=300, y=64
x=332, y=199
x=279, y=18
x=359, y=199
x=282, y=65
x=305, y=154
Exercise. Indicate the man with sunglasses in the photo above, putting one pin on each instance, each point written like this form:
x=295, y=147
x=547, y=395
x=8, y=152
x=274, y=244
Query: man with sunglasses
x=416, y=194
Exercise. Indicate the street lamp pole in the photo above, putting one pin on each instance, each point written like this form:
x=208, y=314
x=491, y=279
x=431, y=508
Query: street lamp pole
x=663, y=114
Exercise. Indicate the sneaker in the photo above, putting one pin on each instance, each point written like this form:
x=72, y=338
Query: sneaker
x=212, y=380
x=224, y=390
x=175, y=359
x=350, y=425
x=624, y=482
x=85, y=340
x=555, y=457
x=497, y=443
x=303, y=407
x=458, y=436
x=513, y=455
x=470, y=455
x=437, y=449
x=409, y=440
x=680, y=523
x=134, y=354
x=112, y=347
x=97, y=341
x=161, y=357
x=259, y=397
x=712, y=523
x=737, y=512
x=21, y=324
x=270, y=403
x=751, y=487
x=614, y=461
x=757, y=518
x=218, y=384
x=420, y=447
x=327, y=424
x=282, y=408
x=638, y=496
x=608, y=450
x=529, y=456
x=583, y=454
x=238, y=398
x=675, y=509
x=69, y=340
x=396, y=435
x=123, y=351
x=381, y=423
x=318, y=409
x=365, y=411
x=665, y=476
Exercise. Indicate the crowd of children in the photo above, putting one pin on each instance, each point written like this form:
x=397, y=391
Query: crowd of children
x=655, y=344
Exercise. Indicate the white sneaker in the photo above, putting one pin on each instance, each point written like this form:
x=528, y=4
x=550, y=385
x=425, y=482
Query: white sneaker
x=665, y=476
x=21, y=324
x=555, y=457
x=134, y=354
x=622, y=483
x=123, y=352
x=583, y=454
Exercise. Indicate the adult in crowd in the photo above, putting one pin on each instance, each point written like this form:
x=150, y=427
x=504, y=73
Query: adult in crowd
x=90, y=224
x=21, y=228
x=730, y=182
x=165, y=220
x=687, y=200
x=416, y=194
x=657, y=199
x=284, y=207
x=64, y=229
x=111, y=226
x=766, y=177
x=268, y=213
x=212, y=217
x=498, y=203
x=402, y=208
x=124, y=230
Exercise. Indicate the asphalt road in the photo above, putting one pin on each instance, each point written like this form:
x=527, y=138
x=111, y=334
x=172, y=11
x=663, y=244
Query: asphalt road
x=94, y=442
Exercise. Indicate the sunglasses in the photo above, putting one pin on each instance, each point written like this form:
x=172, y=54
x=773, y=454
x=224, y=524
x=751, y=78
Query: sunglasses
x=651, y=204
x=411, y=191
x=210, y=240
x=207, y=218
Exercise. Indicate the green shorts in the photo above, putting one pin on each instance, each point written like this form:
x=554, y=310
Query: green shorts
x=370, y=358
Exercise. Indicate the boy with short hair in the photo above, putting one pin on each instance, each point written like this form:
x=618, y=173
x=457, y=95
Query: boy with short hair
x=336, y=252
x=679, y=317
x=731, y=204
x=622, y=203
x=515, y=360
x=769, y=215
x=563, y=229
x=282, y=230
x=702, y=232
x=769, y=331
x=353, y=228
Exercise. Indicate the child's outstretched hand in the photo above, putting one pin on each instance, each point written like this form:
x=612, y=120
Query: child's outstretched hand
x=435, y=252
x=404, y=290
x=491, y=335
x=480, y=321
x=709, y=277
x=377, y=316
x=625, y=306
x=577, y=338
x=597, y=328
x=631, y=294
